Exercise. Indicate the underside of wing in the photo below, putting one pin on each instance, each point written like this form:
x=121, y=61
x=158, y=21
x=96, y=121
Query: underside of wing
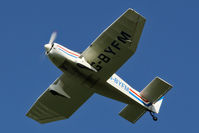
x=116, y=44
x=60, y=100
x=43, y=113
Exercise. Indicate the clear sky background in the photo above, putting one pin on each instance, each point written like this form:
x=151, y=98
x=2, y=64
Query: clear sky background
x=168, y=48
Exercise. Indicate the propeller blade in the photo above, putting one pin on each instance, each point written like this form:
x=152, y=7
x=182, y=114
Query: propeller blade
x=53, y=37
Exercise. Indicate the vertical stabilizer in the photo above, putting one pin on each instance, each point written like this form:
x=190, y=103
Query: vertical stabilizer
x=156, y=106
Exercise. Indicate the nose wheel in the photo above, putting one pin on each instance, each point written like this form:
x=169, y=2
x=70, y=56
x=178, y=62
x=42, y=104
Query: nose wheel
x=153, y=116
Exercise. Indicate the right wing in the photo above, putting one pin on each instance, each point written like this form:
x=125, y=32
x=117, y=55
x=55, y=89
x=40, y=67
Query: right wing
x=115, y=45
x=60, y=100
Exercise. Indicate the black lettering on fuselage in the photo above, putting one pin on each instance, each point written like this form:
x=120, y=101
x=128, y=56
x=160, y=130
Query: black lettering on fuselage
x=104, y=58
x=125, y=36
x=109, y=50
x=96, y=66
x=115, y=45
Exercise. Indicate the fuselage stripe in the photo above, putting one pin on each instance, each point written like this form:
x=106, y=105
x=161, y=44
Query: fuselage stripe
x=74, y=54
x=67, y=53
x=139, y=99
x=139, y=96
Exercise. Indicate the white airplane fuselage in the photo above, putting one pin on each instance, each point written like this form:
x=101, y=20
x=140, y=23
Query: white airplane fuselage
x=72, y=64
x=93, y=71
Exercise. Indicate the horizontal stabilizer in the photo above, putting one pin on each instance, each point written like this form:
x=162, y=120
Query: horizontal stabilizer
x=132, y=112
x=155, y=90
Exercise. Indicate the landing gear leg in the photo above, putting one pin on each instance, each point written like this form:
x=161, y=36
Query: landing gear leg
x=154, y=117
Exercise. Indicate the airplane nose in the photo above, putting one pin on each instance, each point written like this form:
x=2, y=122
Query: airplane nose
x=47, y=47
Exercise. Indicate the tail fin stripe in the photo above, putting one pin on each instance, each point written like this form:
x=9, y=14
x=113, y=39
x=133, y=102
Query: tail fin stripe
x=134, y=94
x=139, y=96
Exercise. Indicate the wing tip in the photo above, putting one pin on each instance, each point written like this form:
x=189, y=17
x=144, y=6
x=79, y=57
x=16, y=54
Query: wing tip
x=133, y=11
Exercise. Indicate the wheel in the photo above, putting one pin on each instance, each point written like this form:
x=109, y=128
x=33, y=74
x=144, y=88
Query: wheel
x=155, y=118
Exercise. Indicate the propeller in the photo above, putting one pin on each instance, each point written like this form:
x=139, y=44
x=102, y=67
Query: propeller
x=50, y=45
x=53, y=37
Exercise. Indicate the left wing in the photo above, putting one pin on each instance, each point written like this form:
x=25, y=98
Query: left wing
x=60, y=100
x=115, y=45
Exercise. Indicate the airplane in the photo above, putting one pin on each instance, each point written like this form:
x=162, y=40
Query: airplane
x=93, y=71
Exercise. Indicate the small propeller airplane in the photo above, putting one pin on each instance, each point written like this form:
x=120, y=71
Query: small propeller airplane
x=93, y=71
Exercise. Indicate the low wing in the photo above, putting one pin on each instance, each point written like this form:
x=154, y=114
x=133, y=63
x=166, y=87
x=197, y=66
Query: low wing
x=60, y=100
x=116, y=44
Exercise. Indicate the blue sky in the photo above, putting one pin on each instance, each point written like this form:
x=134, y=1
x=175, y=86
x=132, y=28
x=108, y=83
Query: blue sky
x=168, y=48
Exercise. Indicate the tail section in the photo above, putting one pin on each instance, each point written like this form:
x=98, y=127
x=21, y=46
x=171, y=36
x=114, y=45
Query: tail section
x=154, y=93
x=132, y=112
x=155, y=90
x=156, y=106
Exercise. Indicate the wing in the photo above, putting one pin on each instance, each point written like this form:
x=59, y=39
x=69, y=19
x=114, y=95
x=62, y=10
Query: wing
x=116, y=44
x=60, y=100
